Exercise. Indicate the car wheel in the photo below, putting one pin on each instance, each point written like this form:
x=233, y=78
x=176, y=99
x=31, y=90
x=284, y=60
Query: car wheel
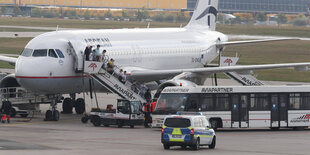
x=212, y=146
x=196, y=146
x=166, y=147
x=183, y=146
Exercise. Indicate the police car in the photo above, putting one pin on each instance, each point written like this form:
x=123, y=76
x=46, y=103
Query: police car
x=187, y=130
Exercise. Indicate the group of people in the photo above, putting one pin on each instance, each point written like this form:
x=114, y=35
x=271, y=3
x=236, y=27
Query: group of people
x=94, y=54
x=122, y=77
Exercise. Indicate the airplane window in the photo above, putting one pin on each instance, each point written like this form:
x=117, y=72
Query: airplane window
x=40, y=53
x=51, y=53
x=27, y=52
x=60, y=53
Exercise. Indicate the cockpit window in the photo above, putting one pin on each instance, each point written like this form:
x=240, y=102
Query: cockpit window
x=51, y=53
x=60, y=53
x=40, y=53
x=27, y=52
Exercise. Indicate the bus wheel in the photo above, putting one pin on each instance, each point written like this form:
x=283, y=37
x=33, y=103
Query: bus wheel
x=214, y=124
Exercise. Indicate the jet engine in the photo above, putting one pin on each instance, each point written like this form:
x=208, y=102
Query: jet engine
x=9, y=81
x=176, y=82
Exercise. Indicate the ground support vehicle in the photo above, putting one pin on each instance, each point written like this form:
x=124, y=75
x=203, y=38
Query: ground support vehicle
x=127, y=113
x=187, y=130
x=272, y=107
x=23, y=101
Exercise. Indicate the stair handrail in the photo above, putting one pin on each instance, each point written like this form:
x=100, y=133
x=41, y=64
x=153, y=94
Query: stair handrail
x=116, y=73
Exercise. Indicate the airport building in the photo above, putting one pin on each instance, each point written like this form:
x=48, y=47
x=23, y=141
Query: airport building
x=227, y=6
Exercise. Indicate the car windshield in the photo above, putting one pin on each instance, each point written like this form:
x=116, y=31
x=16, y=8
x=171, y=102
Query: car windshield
x=27, y=52
x=177, y=122
x=40, y=53
x=170, y=103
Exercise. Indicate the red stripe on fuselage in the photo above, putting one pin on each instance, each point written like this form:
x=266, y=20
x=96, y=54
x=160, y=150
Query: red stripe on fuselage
x=50, y=77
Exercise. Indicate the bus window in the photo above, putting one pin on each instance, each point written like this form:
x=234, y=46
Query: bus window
x=192, y=104
x=170, y=103
x=222, y=102
x=305, y=104
x=259, y=102
x=206, y=102
x=295, y=101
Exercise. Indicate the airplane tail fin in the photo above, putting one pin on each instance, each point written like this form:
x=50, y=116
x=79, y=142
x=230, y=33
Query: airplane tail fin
x=204, y=15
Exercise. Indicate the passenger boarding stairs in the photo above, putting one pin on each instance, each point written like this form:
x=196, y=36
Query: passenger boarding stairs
x=246, y=79
x=111, y=82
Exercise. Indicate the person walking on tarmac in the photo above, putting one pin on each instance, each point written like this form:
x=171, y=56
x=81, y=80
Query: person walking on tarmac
x=147, y=114
x=6, y=111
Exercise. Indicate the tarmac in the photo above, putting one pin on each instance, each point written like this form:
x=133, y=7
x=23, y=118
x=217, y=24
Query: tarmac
x=70, y=136
x=32, y=136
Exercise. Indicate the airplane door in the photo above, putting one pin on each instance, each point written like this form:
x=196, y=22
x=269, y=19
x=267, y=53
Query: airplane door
x=78, y=53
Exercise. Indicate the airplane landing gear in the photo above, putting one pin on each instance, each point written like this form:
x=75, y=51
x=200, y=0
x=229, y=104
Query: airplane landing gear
x=69, y=103
x=79, y=106
x=53, y=114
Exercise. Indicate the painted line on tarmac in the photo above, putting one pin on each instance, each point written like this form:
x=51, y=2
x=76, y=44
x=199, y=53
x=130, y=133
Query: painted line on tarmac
x=33, y=123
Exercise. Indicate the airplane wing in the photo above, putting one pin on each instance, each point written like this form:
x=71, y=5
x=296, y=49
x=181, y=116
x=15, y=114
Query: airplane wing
x=152, y=75
x=10, y=60
x=231, y=43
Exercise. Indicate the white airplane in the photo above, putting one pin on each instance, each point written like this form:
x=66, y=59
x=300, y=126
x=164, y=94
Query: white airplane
x=52, y=63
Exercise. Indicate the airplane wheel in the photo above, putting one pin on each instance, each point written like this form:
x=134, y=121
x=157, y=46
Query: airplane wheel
x=80, y=106
x=48, y=115
x=56, y=115
x=67, y=106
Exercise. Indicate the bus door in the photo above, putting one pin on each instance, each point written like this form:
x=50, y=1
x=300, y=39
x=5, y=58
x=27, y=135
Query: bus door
x=279, y=110
x=239, y=112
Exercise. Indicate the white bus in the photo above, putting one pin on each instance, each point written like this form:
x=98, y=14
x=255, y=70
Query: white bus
x=239, y=106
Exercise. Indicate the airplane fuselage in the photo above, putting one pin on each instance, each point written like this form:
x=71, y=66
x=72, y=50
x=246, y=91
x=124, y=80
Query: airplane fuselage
x=132, y=49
